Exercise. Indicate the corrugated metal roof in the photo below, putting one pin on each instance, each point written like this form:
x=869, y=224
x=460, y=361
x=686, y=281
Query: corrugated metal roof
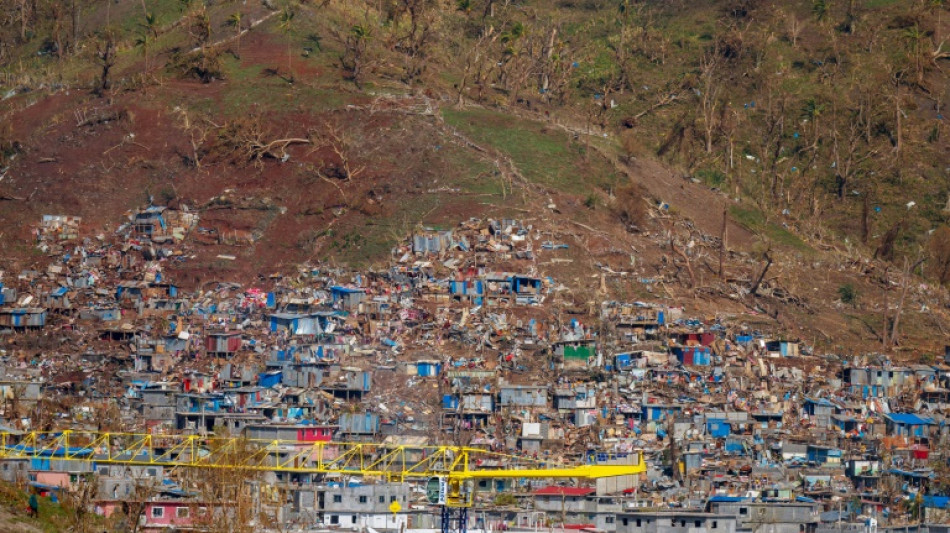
x=910, y=418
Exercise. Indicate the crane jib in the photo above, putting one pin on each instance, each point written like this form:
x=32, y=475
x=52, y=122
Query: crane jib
x=389, y=460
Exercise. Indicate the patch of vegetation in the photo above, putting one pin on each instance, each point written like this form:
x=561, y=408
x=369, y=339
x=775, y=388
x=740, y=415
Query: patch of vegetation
x=755, y=221
x=52, y=518
x=543, y=156
x=711, y=177
x=848, y=294
x=591, y=201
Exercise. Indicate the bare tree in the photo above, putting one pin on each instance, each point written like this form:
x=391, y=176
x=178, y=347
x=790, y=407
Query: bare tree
x=475, y=58
x=905, y=281
x=423, y=18
x=343, y=147
x=105, y=53
x=938, y=249
x=709, y=88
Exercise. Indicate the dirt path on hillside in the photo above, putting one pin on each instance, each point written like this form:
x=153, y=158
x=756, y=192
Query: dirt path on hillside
x=10, y=522
x=692, y=201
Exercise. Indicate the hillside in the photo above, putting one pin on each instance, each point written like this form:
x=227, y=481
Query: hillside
x=330, y=130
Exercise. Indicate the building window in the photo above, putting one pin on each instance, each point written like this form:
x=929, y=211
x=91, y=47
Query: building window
x=624, y=521
x=715, y=524
x=335, y=520
x=698, y=523
x=639, y=523
x=382, y=499
x=181, y=512
x=151, y=472
x=744, y=511
x=353, y=519
x=363, y=499
x=610, y=520
x=337, y=498
x=392, y=499
x=682, y=523
x=158, y=512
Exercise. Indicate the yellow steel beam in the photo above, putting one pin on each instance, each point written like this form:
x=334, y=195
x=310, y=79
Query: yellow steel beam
x=394, y=462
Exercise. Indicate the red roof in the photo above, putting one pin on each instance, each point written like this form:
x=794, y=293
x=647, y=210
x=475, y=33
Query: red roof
x=563, y=491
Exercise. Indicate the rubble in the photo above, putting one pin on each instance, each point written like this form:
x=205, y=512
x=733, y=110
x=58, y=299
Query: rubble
x=462, y=339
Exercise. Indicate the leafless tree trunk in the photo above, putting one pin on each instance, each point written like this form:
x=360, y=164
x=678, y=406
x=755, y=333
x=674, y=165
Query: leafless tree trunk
x=884, y=332
x=908, y=269
x=547, y=51
x=765, y=268
x=722, y=240
x=74, y=11
x=709, y=95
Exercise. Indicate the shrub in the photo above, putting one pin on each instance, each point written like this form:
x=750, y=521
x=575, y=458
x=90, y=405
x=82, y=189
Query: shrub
x=848, y=294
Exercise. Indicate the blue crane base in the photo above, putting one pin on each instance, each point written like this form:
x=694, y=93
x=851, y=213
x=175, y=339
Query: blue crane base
x=457, y=523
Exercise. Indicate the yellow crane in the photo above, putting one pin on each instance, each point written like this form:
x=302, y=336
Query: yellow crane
x=450, y=471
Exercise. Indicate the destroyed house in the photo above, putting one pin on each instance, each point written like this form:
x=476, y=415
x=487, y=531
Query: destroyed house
x=424, y=368
x=505, y=226
x=359, y=426
x=576, y=352
x=307, y=375
x=624, y=362
x=469, y=405
x=659, y=411
x=58, y=300
x=555, y=499
x=689, y=338
x=298, y=305
x=473, y=290
x=909, y=425
x=365, y=507
x=131, y=291
x=875, y=381
x=150, y=221
x=684, y=521
x=347, y=298
x=223, y=343
x=865, y=474
x=782, y=348
x=823, y=455
x=21, y=391
x=526, y=288
x=22, y=317
x=771, y=517
x=60, y=227
x=635, y=315
x=173, y=515
x=523, y=396
x=157, y=405
x=349, y=381
x=104, y=314
x=935, y=398
x=432, y=242
x=720, y=425
x=271, y=378
x=301, y=324
x=819, y=410
x=290, y=432
x=693, y=355
x=174, y=343
x=7, y=294
x=845, y=423
x=161, y=290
